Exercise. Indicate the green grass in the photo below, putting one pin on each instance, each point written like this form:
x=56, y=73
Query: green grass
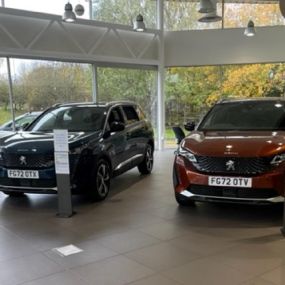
x=169, y=134
x=5, y=115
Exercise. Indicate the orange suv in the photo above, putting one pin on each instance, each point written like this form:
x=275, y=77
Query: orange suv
x=235, y=154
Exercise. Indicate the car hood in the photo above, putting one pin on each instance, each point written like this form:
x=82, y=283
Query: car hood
x=6, y=133
x=235, y=143
x=40, y=142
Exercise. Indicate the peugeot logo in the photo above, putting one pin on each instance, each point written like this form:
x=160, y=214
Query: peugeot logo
x=23, y=160
x=230, y=165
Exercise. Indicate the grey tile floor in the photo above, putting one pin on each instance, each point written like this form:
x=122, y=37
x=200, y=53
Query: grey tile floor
x=139, y=236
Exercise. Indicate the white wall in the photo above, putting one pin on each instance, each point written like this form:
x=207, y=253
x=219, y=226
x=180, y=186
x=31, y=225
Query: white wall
x=44, y=36
x=228, y=46
x=38, y=35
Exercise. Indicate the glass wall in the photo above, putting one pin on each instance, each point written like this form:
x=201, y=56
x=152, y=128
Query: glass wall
x=124, y=11
x=263, y=14
x=38, y=85
x=191, y=91
x=51, y=7
x=132, y=85
x=5, y=111
x=184, y=15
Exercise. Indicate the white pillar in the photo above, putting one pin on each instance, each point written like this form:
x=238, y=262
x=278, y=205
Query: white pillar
x=160, y=77
x=90, y=10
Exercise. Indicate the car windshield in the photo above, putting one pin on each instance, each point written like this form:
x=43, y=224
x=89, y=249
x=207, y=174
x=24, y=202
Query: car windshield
x=246, y=115
x=71, y=118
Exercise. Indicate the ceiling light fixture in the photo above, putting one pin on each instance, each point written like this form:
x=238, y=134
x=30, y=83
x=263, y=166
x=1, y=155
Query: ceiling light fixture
x=79, y=10
x=139, y=25
x=210, y=17
x=250, y=30
x=206, y=6
x=68, y=15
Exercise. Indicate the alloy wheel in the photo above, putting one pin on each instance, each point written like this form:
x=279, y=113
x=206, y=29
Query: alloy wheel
x=103, y=177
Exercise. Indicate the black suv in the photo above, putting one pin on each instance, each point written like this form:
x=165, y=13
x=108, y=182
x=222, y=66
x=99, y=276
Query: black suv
x=105, y=140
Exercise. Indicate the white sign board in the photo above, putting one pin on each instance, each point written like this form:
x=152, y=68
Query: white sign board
x=60, y=140
x=61, y=162
x=61, y=158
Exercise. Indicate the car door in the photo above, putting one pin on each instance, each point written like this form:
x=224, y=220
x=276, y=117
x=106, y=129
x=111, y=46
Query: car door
x=134, y=132
x=116, y=142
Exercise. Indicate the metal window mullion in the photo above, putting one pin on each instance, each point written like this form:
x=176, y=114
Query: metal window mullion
x=95, y=96
x=11, y=96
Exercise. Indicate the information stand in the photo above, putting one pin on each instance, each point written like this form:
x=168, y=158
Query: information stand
x=61, y=159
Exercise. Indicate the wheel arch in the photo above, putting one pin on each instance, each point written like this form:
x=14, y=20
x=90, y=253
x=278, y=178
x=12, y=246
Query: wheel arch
x=107, y=159
x=151, y=143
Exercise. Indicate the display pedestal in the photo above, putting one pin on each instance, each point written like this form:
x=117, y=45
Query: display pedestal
x=64, y=196
x=61, y=159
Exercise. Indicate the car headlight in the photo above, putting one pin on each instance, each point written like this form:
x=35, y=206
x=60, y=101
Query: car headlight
x=277, y=159
x=187, y=154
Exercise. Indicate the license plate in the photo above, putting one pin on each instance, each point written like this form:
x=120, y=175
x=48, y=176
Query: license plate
x=26, y=174
x=230, y=181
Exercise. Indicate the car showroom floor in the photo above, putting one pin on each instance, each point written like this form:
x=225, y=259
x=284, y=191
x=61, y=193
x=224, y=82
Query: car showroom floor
x=140, y=236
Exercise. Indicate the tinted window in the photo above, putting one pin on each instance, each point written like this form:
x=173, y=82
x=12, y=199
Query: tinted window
x=115, y=116
x=131, y=114
x=248, y=115
x=79, y=118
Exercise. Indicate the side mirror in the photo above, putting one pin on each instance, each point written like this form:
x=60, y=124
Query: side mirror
x=117, y=126
x=190, y=126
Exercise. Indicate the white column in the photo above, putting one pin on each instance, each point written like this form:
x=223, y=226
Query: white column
x=90, y=10
x=94, y=67
x=160, y=77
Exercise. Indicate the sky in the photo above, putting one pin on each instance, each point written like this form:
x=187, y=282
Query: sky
x=46, y=6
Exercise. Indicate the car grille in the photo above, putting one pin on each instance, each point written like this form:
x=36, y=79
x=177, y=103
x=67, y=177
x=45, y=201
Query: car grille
x=33, y=161
x=232, y=192
x=241, y=165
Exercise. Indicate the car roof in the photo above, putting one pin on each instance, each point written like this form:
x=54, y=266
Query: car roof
x=97, y=104
x=257, y=99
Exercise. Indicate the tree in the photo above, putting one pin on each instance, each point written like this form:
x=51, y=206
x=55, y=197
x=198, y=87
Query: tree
x=49, y=83
x=128, y=84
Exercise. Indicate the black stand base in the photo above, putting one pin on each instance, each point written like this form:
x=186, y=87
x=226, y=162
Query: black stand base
x=283, y=231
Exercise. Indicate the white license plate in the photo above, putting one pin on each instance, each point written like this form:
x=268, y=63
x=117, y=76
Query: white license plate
x=230, y=181
x=26, y=174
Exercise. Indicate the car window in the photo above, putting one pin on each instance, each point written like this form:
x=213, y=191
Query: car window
x=131, y=114
x=72, y=118
x=247, y=115
x=115, y=116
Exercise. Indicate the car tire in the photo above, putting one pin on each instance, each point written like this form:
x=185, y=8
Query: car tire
x=100, y=186
x=183, y=201
x=145, y=167
x=14, y=193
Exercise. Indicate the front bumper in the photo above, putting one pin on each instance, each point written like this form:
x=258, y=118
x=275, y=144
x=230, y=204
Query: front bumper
x=267, y=188
x=205, y=198
x=46, y=183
